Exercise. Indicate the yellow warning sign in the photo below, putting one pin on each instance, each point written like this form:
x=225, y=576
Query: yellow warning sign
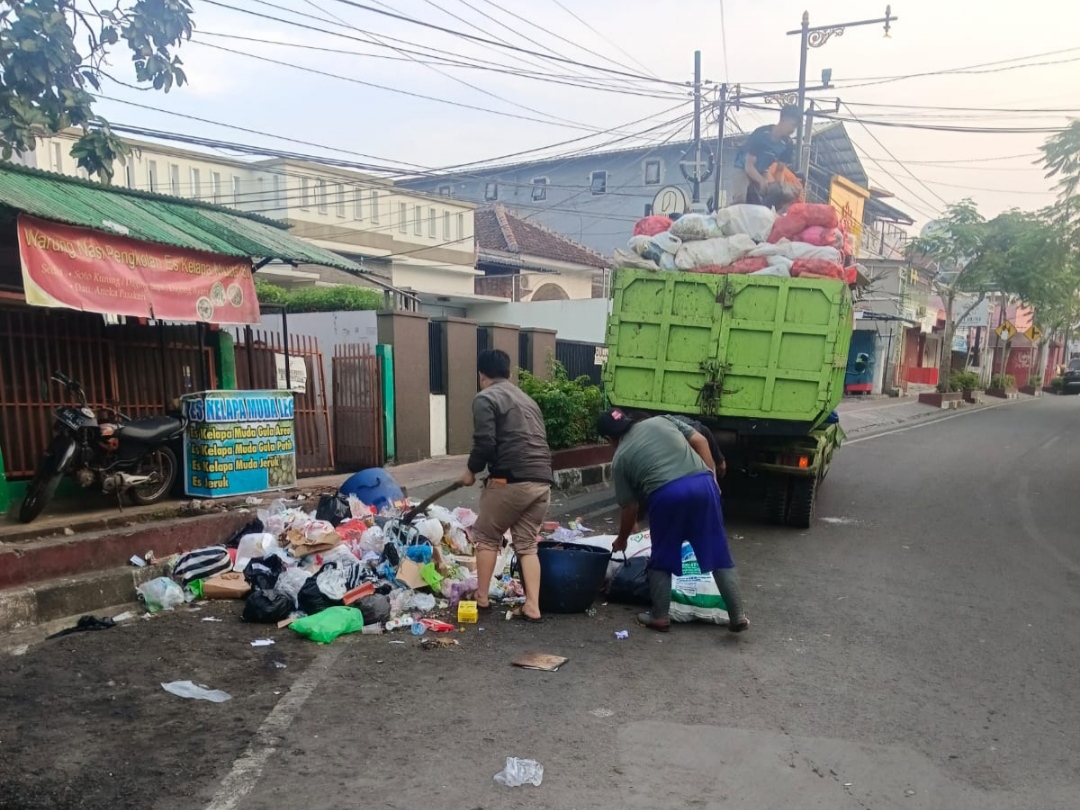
x=1034, y=334
x=1006, y=331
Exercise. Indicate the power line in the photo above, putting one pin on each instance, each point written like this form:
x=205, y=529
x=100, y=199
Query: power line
x=607, y=39
x=1065, y=111
x=723, y=40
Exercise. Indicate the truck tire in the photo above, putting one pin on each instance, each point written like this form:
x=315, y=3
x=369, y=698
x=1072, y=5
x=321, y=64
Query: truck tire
x=777, y=497
x=803, y=502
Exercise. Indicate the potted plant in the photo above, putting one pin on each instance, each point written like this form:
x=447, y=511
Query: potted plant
x=1003, y=386
x=948, y=395
x=1034, y=387
x=969, y=384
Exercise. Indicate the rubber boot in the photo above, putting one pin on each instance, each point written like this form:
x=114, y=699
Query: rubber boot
x=659, y=617
x=727, y=582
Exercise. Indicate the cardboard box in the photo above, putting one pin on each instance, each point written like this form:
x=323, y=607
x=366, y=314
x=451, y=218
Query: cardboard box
x=469, y=563
x=226, y=586
x=409, y=574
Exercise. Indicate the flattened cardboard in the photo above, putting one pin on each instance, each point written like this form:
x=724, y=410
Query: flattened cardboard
x=541, y=662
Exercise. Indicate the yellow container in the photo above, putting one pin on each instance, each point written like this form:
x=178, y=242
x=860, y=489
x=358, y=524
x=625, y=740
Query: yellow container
x=467, y=613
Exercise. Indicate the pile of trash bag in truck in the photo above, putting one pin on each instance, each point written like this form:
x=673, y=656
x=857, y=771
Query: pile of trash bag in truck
x=808, y=240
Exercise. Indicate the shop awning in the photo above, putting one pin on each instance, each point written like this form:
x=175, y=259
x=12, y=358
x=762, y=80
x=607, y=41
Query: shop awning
x=156, y=218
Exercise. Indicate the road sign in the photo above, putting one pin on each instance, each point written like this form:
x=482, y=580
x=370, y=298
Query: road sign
x=1006, y=331
x=1034, y=334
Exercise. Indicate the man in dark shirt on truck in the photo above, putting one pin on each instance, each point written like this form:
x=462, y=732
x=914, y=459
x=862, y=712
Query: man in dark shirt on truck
x=510, y=441
x=766, y=146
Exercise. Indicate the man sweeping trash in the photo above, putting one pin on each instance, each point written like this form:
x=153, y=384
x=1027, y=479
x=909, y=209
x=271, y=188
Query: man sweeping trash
x=510, y=441
x=666, y=464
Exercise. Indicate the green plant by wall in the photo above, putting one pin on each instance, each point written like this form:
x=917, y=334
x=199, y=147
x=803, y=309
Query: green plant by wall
x=1056, y=383
x=1003, y=381
x=319, y=299
x=966, y=381
x=570, y=407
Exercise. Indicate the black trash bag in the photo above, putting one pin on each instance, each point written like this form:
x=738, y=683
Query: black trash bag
x=264, y=606
x=391, y=555
x=630, y=585
x=376, y=609
x=334, y=509
x=252, y=527
x=312, y=599
x=263, y=574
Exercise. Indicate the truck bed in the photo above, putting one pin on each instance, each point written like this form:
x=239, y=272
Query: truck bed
x=728, y=347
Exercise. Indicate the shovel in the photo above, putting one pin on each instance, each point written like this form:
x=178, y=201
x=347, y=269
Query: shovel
x=409, y=516
x=400, y=529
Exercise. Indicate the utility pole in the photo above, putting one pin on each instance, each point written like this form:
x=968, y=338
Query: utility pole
x=721, y=107
x=697, y=127
x=815, y=38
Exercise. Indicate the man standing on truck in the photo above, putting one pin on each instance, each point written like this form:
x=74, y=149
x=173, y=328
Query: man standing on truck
x=765, y=147
x=661, y=461
x=510, y=440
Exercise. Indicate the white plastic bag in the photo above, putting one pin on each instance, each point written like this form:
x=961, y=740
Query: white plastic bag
x=713, y=252
x=694, y=595
x=161, y=594
x=192, y=691
x=756, y=221
x=667, y=262
x=256, y=546
x=291, y=581
x=640, y=245
x=667, y=242
x=431, y=530
x=373, y=540
x=777, y=270
x=695, y=228
x=624, y=258
x=342, y=556
x=795, y=251
x=520, y=772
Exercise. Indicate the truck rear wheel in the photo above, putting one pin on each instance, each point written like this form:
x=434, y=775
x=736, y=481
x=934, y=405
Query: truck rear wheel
x=803, y=502
x=777, y=497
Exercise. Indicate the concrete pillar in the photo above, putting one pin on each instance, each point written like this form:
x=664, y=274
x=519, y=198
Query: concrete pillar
x=407, y=332
x=541, y=349
x=459, y=356
x=504, y=336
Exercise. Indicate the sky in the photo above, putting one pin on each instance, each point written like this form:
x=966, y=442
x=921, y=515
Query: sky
x=334, y=108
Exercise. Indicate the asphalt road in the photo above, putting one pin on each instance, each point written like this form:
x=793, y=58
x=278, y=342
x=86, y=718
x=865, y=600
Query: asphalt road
x=918, y=648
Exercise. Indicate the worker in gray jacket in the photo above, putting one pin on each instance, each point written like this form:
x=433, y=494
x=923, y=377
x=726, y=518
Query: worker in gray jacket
x=510, y=441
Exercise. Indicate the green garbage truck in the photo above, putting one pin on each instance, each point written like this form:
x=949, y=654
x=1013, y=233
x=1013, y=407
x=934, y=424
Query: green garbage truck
x=760, y=360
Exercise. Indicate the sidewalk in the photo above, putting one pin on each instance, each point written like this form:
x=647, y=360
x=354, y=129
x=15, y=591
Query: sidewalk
x=859, y=416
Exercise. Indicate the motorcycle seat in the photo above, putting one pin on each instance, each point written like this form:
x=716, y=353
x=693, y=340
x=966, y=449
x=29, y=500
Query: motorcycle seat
x=151, y=429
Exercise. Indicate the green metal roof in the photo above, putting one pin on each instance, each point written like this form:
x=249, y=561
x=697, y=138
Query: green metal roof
x=157, y=218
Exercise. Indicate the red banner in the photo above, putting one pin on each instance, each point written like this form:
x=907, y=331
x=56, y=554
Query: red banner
x=78, y=268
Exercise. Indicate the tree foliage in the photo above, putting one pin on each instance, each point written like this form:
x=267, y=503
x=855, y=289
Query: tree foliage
x=54, y=54
x=1061, y=160
x=570, y=407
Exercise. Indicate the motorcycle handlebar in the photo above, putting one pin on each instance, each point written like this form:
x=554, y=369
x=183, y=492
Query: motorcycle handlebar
x=70, y=384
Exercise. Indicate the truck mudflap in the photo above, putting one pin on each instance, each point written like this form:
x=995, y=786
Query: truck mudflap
x=807, y=456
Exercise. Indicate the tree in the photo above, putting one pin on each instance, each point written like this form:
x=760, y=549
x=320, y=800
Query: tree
x=1061, y=159
x=46, y=77
x=947, y=251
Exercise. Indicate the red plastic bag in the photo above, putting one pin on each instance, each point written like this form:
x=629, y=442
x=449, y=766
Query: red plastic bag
x=851, y=275
x=816, y=268
x=789, y=226
x=739, y=267
x=782, y=187
x=652, y=225
x=815, y=214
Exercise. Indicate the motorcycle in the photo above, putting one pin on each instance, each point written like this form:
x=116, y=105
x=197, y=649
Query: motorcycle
x=122, y=456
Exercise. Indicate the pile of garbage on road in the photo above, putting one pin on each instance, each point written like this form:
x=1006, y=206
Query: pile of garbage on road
x=807, y=241
x=344, y=567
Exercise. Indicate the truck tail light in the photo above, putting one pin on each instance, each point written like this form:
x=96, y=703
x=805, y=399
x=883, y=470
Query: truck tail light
x=802, y=462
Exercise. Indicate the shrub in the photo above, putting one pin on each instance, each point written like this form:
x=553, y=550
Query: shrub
x=570, y=407
x=319, y=299
x=966, y=381
x=1003, y=381
x=1056, y=383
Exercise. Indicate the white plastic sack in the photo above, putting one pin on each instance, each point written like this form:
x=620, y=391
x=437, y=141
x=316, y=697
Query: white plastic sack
x=291, y=581
x=624, y=258
x=694, y=595
x=667, y=262
x=713, y=252
x=667, y=242
x=795, y=251
x=756, y=221
x=778, y=270
x=695, y=228
x=640, y=244
x=431, y=530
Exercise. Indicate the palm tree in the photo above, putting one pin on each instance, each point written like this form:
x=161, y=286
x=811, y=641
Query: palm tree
x=1061, y=160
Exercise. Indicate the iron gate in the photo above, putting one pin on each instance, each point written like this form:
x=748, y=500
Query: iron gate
x=359, y=439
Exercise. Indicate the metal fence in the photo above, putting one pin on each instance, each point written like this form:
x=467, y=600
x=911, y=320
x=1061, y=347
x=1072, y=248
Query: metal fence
x=579, y=360
x=256, y=370
x=359, y=438
x=136, y=368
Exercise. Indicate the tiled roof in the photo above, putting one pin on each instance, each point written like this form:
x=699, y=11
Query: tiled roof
x=500, y=232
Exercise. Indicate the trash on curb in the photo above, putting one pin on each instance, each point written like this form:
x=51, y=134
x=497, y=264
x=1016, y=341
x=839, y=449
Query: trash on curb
x=622, y=634
x=520, y=772
x=192, y=691
x=542, y=662
x=262, y=642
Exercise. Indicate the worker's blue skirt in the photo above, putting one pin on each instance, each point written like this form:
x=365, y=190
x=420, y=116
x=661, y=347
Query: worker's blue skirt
x=688, y=510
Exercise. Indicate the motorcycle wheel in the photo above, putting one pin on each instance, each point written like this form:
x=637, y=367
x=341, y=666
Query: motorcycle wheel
x=40, y=492
x=163, y=462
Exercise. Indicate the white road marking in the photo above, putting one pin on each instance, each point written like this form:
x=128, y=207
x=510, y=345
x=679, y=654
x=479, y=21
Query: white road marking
x=936, y=421
x=245, y=773
x=843, y=521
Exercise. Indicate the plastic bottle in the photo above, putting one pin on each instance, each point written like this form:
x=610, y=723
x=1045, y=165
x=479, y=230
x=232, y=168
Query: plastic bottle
x=372, y=630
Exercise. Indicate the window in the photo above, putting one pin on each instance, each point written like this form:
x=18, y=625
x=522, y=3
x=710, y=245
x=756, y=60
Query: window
x=491, y=191
x=151, y=175
x=446, y=226
x=375, y=207
x=320, y=195
x=358, y=203
x=539, y=189
x=648, y=209
x=196, y=183
x=305, y=192
x=598, y=182
x=57, y=157
x=174, y=179
x=403, y=218
x=236, y=195
x=418, y=221
x=444, y=191
x=215, y=186
x=339, y=200
x=460, y=227
x=129, y=172
x=652, y=172
x=431, y=222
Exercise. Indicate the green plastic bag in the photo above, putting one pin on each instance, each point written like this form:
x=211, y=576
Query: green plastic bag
x=432, y=577
x=326, y=625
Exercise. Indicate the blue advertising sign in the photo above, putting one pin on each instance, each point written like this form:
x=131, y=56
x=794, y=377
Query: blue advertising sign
x=238, y=442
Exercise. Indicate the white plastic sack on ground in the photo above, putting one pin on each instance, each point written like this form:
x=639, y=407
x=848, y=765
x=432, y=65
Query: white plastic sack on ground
x=696, y=228
x=694, y=596
x=756, y=221
x=667, y=242
x=713, y=252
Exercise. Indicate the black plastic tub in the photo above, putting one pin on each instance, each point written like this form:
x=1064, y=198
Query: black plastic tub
x=571, y=576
